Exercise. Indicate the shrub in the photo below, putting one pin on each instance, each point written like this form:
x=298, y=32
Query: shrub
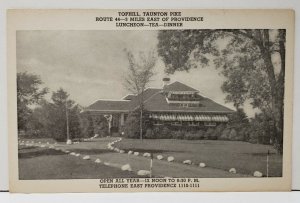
x=209, y=134
x=131, y=129
x=178, y=134
x=232, y=134
x=132, y=124
x=149, y=134
x=241, y=134
x=247, y=134
x=165, y=133
x=218, y=130
x=191, y=135
x=200, y=134
x=212, y=137
x=156, y=131
x=194, y=135
x=253, y=138
x=225, y=134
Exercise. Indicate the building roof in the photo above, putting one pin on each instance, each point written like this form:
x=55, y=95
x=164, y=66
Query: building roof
x=129, y=97
x=159, y=103
x=178, y=87
x=155, y=101
x=149, y=92
x=109, y=106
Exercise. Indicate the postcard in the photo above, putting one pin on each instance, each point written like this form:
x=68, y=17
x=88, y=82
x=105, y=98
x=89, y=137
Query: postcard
x=150, y=100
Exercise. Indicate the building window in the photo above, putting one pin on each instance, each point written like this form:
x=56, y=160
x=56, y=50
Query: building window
x=184, y=105
x=210, y=123
x=193, y=123
x=176, y=123
x=156, y=122
x=125, y=117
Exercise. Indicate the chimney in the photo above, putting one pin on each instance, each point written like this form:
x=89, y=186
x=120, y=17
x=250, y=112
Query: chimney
x=166, y=81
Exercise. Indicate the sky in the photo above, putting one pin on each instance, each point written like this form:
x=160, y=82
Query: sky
x=91, y=65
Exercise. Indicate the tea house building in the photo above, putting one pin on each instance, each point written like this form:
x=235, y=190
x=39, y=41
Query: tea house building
x=176, y=105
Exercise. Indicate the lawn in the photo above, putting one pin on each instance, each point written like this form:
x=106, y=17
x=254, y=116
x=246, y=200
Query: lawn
x=243, y=156
x=43, y=163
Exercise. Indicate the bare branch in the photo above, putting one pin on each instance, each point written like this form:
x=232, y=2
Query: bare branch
x=140, y=71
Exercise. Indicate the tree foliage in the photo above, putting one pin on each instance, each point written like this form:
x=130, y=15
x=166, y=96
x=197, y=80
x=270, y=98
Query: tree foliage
x=63, y=106
x=132, y=124
x=92, y=125
x=29, y=92
x=49, y=118
x=252, y=61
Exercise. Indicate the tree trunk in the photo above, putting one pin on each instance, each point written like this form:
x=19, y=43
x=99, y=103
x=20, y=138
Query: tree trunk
x=141, y=124
x=277, y=112
x=280, y=89
x=277, y=88
x=141, y=114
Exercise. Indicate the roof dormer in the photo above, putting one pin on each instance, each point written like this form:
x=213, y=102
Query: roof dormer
x=179, y=88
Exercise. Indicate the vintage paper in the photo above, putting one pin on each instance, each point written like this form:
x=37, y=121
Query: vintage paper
x=20, y=22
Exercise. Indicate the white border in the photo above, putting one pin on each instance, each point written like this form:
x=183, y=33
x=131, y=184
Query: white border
x=4, y=4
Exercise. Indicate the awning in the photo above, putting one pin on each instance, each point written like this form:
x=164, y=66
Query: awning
x=220, y=118
x=189, y=117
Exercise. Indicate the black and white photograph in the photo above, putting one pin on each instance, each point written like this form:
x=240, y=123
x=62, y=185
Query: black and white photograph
x=150, y=106
x=172, y=103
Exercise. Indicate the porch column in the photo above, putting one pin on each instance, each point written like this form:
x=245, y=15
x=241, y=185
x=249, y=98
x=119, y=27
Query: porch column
x=122, y=119
x=109, y=119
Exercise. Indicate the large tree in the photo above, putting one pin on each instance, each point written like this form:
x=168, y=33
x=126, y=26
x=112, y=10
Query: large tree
x=66, y=116
x=140, y=72
x=40, y=123
x=29, y=93
x=252, y=61
x=51, y=118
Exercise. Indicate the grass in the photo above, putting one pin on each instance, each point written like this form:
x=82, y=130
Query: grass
x=42, y=164
x=243, y=156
